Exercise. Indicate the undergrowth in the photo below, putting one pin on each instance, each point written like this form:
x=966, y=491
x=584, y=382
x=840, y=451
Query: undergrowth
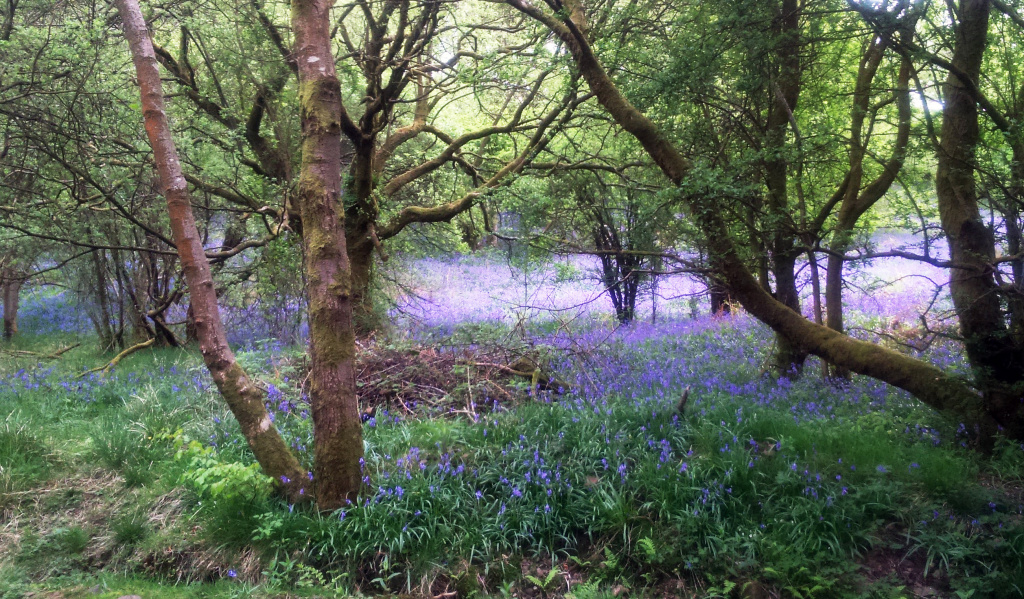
x=761, y=486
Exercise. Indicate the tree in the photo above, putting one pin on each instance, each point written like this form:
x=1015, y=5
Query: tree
x=12, y=278
x=243, y=397
x=942, y=391
x=996, y=357
x=337, y=429
x=401, y=81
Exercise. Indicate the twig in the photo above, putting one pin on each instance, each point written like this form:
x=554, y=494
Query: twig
x=503, y=368
x=499, y=388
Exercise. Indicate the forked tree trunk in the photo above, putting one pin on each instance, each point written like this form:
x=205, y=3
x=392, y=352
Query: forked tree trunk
x=337, y=429
x=719, y=296
x=243, y=397
x=857, y=201
x=946, y=393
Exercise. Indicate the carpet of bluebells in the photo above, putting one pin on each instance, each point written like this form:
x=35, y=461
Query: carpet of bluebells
x=798, y=486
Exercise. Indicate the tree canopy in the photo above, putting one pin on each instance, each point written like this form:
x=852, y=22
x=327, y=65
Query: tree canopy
x=753, y=144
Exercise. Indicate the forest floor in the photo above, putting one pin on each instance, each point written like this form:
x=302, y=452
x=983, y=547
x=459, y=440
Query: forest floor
x=482, y=484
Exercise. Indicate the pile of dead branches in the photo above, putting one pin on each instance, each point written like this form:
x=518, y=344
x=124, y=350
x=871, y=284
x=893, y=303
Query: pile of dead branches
x=422, y=379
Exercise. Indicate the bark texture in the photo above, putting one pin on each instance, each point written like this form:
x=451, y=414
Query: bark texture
x=337, y=429
x=243, y=397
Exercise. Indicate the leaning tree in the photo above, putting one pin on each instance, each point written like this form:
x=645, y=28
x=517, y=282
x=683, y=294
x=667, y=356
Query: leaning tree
x=984, y=407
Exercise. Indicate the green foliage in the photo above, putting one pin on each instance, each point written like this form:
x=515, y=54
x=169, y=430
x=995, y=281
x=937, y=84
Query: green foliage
x=14, y=582
x=589, y=590
x=210, y=477
x=548, y=583
x=289, y=573
x=748, y=507
x=24, y=459
x=62, y=543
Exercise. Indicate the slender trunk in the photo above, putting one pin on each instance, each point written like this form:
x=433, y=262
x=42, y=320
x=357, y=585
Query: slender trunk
x=11, y=292
x=842, y=233
x=997, y=362
x=104, y=323
x=1015, y=243
x=243, y=397
x=812, y=261
x=338, y=445
x=856, y=201
x=784, y=89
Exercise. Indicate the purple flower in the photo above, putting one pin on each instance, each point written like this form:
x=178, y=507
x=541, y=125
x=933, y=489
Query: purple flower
x=232, y=574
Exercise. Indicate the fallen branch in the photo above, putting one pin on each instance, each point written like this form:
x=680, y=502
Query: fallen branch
x=525, y=367
x=40, y=355
x=111, y=364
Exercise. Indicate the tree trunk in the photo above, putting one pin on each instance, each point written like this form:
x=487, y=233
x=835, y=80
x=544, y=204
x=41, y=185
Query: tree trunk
x=243, y=397
x=789, y=356
x=360, y=216
x=337, y=429
x=997, y=362
x=365, y=318
x=721, y=303
x=104, y=321
x=784, y=90
x=11, y=286
x=1015, y=243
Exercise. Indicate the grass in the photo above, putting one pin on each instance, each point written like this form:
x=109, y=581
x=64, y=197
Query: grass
x=131, y=482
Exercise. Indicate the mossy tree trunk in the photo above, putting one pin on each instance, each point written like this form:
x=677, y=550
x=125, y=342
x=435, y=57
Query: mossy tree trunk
x=361, y=214
x=1015, y=245
x=243, y=397
x=337, y=430
x=365, y=316
x=997, y=361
